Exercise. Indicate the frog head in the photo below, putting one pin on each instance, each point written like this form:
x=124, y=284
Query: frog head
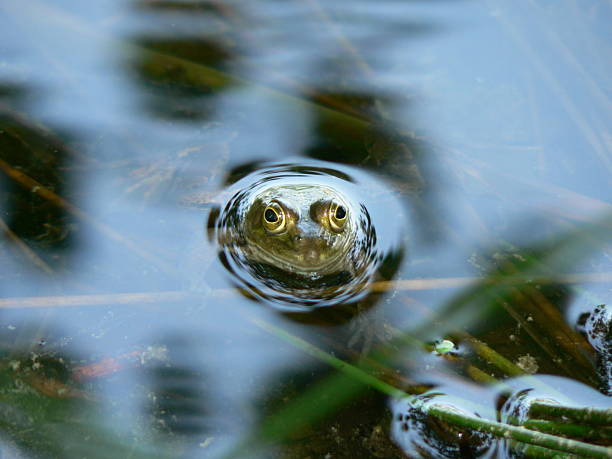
x=303, y=229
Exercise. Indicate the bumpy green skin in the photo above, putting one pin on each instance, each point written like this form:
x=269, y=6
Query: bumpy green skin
x=308, y=246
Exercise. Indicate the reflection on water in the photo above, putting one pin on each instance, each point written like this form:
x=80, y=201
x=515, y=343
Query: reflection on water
x=300, y=236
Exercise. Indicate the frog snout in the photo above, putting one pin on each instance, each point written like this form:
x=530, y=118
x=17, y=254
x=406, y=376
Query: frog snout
x=301, y=242
x=310, y=248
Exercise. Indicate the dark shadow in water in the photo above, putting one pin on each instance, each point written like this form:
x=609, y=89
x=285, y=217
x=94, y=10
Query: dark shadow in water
x=13, y=95
x=193, y=7
x=179, y=399
x=358, y=429
x=40, y=158
x=178, y=75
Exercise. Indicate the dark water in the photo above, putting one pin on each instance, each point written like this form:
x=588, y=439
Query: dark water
x=472, y=138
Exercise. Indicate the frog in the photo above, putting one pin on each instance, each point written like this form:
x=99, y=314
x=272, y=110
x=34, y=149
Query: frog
x=308, y=230
x=298, y=236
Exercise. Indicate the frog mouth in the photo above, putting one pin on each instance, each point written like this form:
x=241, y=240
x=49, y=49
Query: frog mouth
x=307, y=261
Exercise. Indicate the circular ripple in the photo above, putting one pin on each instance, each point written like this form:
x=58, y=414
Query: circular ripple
x=318, y=265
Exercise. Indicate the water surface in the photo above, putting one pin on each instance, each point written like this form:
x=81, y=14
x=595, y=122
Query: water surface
x=473, y=135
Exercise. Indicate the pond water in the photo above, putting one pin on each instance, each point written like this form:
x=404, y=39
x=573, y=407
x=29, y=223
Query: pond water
x=290, y=229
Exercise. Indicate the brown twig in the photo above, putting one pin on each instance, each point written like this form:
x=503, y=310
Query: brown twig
x=111, y=365
x=93, y=300
x=178, y=295
x=457, y=282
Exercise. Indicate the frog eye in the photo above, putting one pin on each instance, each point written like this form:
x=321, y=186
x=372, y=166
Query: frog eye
x=337, y=217
x=274, y=219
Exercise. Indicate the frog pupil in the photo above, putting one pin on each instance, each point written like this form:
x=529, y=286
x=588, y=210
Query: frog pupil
x=340, y=212
x=270, y=216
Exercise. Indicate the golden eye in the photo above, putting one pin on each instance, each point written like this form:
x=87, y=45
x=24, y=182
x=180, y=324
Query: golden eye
x=337, y=217
x=274, y=219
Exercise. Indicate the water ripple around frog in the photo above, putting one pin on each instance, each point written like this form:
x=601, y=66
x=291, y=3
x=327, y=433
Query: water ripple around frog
x=308, y=234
